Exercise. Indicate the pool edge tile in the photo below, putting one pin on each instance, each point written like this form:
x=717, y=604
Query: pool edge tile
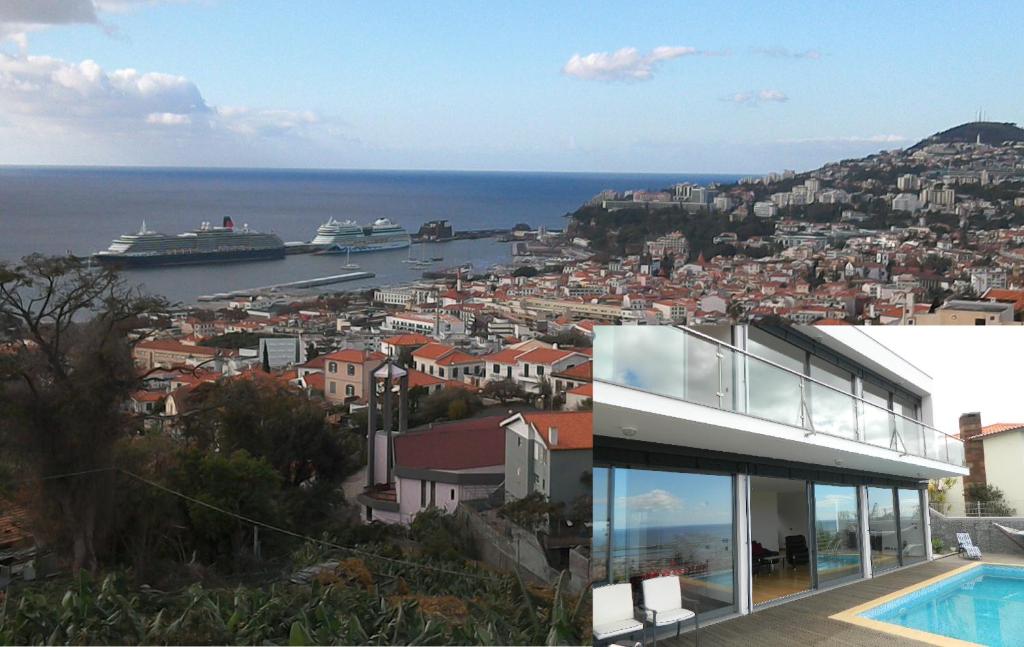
x=851, y=615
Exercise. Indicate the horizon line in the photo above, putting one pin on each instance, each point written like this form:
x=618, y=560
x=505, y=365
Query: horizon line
x=215, y=167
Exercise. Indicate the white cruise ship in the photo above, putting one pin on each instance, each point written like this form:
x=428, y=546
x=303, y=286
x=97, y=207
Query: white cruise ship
x=207, y=244
x=342, y=236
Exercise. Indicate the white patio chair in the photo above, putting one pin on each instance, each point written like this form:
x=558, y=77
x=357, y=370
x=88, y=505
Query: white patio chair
x=663, y=605
x=966, y=546
x=613, y=613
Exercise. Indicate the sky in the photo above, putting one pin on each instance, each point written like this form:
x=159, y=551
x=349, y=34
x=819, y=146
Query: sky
x=674, y=87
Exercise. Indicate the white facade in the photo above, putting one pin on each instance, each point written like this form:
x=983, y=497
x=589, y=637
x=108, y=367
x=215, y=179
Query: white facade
x=789, y=436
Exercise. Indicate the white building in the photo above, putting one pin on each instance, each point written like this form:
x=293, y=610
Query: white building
x=771, y=453
x=906, y=202
x=765, y=210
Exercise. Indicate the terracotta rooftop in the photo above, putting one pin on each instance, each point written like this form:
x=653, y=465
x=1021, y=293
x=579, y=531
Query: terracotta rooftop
x=586, y=390
x=582, y=371
x=355, y=356
x=466, y=444
x=411, y=339
x=174, y=346
x=545, y=356
x=432, y=351
x=575, y=428
x=1000, y=427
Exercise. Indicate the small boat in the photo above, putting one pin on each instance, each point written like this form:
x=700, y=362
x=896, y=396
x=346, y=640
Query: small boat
x=437, y=259
x=349, y=265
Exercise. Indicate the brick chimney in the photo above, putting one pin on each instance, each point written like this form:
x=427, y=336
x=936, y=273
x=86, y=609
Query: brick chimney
x=974, y=448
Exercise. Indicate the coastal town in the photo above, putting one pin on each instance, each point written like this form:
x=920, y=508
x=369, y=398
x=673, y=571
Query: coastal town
x=464, y=399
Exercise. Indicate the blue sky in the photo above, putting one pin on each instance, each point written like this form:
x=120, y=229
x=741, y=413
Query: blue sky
x=711, y=87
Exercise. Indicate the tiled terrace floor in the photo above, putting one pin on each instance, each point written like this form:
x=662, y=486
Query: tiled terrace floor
x=806, y=621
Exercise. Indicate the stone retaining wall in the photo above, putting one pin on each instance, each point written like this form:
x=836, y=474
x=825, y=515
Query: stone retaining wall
x=985, y=536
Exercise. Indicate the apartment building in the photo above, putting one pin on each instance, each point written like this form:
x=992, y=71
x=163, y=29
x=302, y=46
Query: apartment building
x=550, y=453
x=760, y=463
x=449, y=363
x=347, y=374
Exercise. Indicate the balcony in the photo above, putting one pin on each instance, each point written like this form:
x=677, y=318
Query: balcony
x=687, y=365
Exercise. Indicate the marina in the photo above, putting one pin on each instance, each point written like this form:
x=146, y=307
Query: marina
x=298, y=285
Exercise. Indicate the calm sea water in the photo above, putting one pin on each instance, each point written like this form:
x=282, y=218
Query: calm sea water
x=55, y=210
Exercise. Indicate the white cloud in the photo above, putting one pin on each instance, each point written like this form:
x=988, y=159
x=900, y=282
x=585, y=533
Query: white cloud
x=626, y=64
x=656, y=500
x=47, y=12
x=44, y=100
x=754, y=98
x=168, y=119
x=782, y=52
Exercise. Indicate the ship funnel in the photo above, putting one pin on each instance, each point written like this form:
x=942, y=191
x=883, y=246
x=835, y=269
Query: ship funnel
x=228, y=223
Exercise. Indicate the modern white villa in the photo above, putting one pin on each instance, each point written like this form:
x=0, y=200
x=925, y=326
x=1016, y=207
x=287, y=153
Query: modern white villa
x=760, y=464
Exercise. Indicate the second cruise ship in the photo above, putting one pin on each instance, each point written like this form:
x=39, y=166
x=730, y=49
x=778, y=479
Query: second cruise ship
x=341, y=236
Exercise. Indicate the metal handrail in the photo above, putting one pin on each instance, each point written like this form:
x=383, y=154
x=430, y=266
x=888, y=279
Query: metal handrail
x=708, y=338
x=927, y=444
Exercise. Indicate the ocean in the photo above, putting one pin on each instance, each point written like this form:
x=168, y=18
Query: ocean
x=57, y=210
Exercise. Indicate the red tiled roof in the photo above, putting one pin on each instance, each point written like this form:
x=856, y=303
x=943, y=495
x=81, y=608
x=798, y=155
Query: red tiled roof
x=148, y=396
x=458, y=357
x=14, y=521
x=505, y=356
x=575, y=428
x=315, y=381
x=584, y=371
x=545, y=356
x=466, y=444
x=999, y=428
x=411, y=339
x=355, y=356
x=586, y=390
x=419, y=378
x=174, y=346
x=432, y=351
x=316, y=362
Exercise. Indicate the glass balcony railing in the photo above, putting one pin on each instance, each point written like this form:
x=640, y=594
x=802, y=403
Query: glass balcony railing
x=688, y=365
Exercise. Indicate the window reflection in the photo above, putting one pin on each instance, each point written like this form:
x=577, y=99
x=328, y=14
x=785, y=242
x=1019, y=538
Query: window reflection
x=836, y=527
x=672, y=523
x=911, y=526
x=882, y=529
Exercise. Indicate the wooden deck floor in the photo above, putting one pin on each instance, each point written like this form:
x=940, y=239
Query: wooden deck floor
x=806, y=621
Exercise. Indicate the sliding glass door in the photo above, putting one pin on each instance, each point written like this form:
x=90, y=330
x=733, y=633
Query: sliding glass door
x=912, y=548
x=882, y=528
x=668, y=523
x=837, y=530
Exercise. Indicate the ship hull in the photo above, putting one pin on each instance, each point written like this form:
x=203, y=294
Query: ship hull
x=359, y=247
x=198, y=258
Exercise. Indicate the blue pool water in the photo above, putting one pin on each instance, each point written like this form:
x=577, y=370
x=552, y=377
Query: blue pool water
x=983, y=605
x=831, y=562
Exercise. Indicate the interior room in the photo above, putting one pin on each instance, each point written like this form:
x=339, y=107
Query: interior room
x=780, y=553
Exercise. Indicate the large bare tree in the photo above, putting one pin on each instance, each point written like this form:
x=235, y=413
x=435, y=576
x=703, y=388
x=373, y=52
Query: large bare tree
x=65, y=372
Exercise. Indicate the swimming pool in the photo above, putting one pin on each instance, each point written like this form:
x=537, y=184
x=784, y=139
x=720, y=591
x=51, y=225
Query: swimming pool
x=984, y=605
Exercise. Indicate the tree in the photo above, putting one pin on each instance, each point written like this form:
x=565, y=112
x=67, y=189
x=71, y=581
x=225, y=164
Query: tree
x=503, y=390
x=266, y=360
x=989, y=496
x=67, y=372
x=532, y=512
x=312, y=352
x=545, y=392
x=236, y=482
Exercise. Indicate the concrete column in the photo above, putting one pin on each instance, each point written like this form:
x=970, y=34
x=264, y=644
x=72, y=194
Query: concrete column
x=388, y=415
x=927, y=526
x=742, y=505
x=865, y=536
x=371, y=431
